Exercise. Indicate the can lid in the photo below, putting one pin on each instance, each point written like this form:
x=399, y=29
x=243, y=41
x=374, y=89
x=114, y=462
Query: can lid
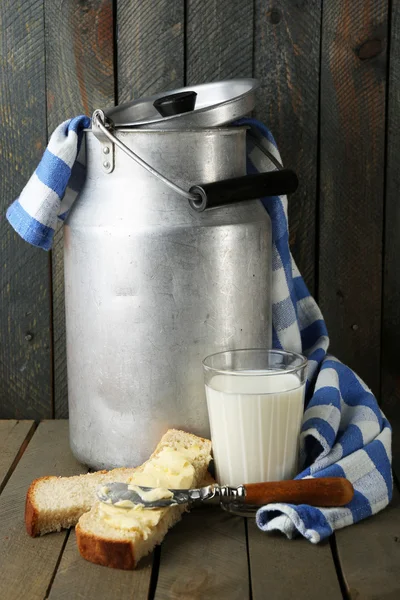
x=205, y=105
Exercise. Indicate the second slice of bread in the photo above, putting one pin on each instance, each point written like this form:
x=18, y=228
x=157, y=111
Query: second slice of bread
x=104, y=544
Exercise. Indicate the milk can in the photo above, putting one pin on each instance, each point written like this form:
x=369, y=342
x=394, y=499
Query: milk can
x=167, y=260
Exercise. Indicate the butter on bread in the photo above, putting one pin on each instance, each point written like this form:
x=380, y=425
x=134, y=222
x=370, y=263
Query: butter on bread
x=55, y=503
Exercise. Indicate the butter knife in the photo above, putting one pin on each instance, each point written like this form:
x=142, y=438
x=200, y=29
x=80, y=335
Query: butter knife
x=319, y=491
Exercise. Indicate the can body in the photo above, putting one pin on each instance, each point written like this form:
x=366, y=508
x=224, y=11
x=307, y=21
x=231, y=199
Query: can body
x=152, y=287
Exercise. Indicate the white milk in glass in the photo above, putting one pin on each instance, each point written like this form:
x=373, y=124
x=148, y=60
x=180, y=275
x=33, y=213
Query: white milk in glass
x=255, y=424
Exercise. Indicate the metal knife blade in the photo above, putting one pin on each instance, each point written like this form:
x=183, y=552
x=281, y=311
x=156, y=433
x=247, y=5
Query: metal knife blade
x=129, y=495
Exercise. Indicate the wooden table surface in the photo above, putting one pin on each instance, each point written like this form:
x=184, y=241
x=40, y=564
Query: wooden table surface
x=209, y=554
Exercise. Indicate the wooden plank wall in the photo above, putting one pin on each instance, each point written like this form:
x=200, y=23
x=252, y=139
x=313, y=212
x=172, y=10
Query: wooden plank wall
x=391, y=279
x=352, y=168
x=330, y=93
x=25, y=298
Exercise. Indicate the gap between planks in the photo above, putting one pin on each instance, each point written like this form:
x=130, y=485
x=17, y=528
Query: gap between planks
x=14, y=439
x=286, y=569
x=368, y=555
x=29, y=563
x=204, y=556
x=73, y=577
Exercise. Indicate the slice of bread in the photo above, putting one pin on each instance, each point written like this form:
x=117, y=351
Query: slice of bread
x=55, y=503
x=107, y=545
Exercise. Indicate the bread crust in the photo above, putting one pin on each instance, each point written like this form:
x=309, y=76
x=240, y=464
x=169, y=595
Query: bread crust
x=31, y=512
x=117, y=554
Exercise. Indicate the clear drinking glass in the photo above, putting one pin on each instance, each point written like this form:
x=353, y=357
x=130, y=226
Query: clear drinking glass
x=255, y=401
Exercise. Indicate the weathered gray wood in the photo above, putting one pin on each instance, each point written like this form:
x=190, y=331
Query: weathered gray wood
x=25, y=361
x=80, y=78
x=204, y=556
x=219, y=40
x=391, y=280
x=282, y=568
x=369, y=554
x=353, y=80
x=27, y=564
x=150, y=47
x=14, y=435
x=286, y=61
x=77, y=578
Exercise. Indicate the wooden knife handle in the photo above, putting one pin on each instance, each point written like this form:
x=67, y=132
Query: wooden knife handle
x=321, y=491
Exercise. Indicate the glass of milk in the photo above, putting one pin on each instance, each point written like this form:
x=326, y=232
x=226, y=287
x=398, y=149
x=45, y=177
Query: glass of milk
x=255, y=402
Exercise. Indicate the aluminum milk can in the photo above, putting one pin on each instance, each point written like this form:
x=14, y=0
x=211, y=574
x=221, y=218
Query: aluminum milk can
x=167, y=260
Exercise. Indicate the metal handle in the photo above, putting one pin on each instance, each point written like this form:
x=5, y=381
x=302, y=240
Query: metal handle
x=219, y=193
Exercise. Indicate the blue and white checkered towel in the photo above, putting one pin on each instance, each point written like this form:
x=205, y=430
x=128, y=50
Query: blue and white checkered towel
x=344, y=432
x=52, y=189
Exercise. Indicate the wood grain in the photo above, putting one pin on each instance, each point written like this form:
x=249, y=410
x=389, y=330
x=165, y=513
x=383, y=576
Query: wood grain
x=77, y=578
x=204, y=556
x=285, y=568
x=13, y=436
x=150, y=47
x=28, y=563
x=353, y=80
x=369, y=554
x=80, y=78
x=216, y=47
x=25, y=355
x=391, y=281
x=286, y=61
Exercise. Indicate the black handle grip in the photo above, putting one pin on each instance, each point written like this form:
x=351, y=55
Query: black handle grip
x=248, y=187
x=175, y=104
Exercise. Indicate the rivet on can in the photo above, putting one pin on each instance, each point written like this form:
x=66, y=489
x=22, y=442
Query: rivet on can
x=106, y=164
